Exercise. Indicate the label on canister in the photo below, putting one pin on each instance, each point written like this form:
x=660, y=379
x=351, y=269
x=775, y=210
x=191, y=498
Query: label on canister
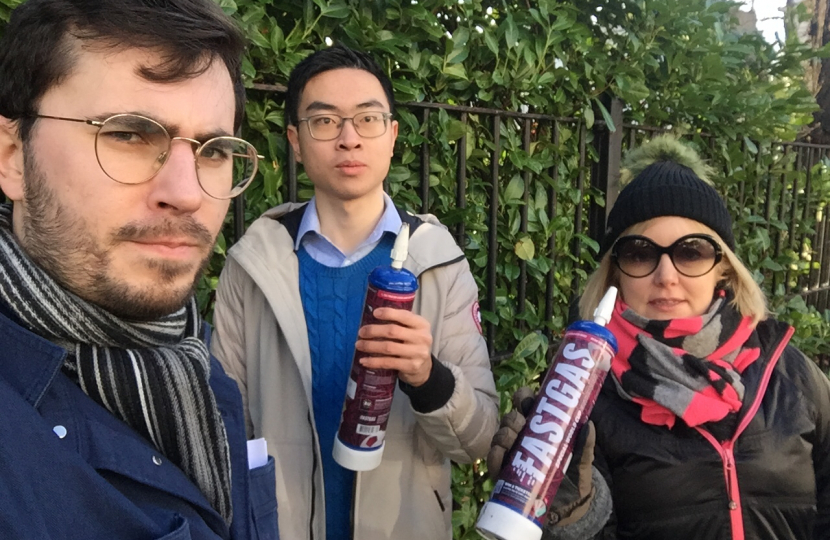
x=536, y=464
x=369, y=391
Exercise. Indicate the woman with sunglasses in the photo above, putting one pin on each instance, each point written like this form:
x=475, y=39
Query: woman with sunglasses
x=709, y=425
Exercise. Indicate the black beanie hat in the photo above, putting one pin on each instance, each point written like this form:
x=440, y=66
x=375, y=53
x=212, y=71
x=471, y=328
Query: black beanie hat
x=667, y=188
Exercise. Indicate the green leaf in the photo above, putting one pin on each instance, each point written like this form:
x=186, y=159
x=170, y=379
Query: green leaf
x=525, y=249
x=220, y=246
x=511, y=32
x=458, y=55
x=277, y=39
x=414, y=58
x=546, y=78
x=491, y=42
x=259, y=40
x=460, y=36
x=487, y=316
x=588, y=114
x=515, y=189
x=631, y=89
x=562, y=22
x=528, y=345
x=248, y=68
x=769, y=264
x=455, y=70
x=336, y=11
x=609, y=122
x=455, y=129
x=589, y=242
x=228, y=6
x=308, y=11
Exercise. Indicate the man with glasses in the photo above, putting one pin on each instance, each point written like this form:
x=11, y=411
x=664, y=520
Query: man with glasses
x=118, y=156
x=289, y=305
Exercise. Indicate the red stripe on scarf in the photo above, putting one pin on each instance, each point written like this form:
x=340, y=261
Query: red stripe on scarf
x=745, y=358
x=737, y=339
x=654, y=414
x=706, y=406
x=683, y=327
x=709, y=406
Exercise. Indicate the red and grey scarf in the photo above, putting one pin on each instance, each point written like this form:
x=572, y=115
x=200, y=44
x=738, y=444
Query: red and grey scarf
x=688, y=368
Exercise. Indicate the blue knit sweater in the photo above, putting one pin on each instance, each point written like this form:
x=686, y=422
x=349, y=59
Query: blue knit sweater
x=333, y=305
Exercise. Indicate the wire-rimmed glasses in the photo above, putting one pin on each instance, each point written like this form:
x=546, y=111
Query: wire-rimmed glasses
x=327, y=127
x=132, y=149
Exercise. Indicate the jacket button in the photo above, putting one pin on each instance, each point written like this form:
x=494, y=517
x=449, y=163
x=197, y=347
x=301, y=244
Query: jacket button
x=733, y=505
x=157, y=460
x=60, y=431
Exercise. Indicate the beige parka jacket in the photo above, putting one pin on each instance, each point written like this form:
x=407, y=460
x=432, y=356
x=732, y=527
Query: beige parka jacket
x=261, y=340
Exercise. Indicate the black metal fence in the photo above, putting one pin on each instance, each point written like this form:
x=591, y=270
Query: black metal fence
x=500, y=193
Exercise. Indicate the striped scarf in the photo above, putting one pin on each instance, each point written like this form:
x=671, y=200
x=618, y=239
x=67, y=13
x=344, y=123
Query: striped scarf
x=152, y=375
x=685, y=368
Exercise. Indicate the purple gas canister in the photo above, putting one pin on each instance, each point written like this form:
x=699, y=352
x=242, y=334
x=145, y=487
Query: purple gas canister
x=358, y=445
x=536, y=464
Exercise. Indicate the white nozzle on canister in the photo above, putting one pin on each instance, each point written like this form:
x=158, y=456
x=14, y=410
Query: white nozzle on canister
x=606, y=307
x=401, y=248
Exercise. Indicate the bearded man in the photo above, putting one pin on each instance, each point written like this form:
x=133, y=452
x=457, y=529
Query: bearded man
x=117, y=152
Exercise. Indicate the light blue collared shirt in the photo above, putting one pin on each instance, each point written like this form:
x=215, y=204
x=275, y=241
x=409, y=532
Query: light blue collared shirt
x=324, y=252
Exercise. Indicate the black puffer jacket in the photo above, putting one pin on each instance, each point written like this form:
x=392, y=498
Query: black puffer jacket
x=771, y=481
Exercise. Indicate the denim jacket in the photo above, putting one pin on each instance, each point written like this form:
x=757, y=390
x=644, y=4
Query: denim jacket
x=69, y=469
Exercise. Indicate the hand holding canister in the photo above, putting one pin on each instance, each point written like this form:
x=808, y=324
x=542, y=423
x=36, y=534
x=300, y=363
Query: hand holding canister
x=536, y=464
x=402, y=342
x=577, y=491
x=360, y=438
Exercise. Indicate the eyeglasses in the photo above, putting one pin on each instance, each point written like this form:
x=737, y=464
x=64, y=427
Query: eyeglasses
x=132, y=149
x=327, y=127
x=692, y=255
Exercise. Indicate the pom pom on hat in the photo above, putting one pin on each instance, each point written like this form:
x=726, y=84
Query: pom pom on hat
x=663, y=148
x=664, y=177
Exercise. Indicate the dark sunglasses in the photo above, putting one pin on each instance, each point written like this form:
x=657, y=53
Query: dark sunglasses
x=692, y=255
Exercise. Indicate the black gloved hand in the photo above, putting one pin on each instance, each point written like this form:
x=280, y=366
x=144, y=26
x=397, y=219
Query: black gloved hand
x=573, y=499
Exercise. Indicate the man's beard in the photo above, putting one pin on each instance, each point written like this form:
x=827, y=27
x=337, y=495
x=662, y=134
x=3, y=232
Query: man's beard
x=61, y=243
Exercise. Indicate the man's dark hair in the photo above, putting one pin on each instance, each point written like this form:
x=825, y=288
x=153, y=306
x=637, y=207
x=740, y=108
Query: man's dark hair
x=335, y=57
x=39, y=46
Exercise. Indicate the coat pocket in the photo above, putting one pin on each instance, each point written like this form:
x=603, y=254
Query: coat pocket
x=262, y=484
x=181, y=531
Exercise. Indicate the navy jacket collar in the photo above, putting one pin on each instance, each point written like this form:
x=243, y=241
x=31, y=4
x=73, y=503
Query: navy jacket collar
x=43, y=360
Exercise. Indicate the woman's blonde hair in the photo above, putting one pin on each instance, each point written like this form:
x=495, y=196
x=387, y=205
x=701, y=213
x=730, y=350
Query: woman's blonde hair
x=749, y=298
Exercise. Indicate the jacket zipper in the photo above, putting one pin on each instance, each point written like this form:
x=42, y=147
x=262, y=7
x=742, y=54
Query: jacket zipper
x=313, y=474
x=731, y=480
x=726, y=450
x=354, y=510
x=730, y=475
x=736, y=512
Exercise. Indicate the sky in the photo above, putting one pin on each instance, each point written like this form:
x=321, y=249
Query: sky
x=770, y=18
